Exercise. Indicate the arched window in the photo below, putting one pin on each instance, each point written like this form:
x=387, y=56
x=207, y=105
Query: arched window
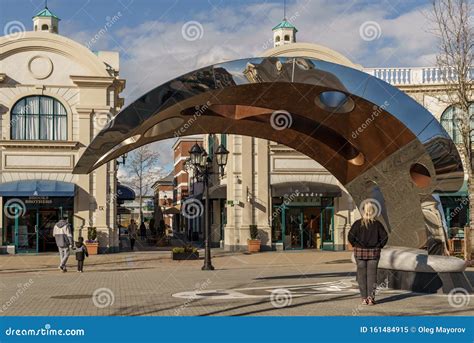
x=449, y=120
x=277, y=38
x=38, y=118
x=287, y=37
x=45, y=27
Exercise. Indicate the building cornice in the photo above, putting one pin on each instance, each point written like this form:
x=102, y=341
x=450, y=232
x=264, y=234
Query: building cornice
x=92, y=81
x=40, y=145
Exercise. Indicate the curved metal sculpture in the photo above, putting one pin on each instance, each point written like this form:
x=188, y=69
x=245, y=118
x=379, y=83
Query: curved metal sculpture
x=377, y=141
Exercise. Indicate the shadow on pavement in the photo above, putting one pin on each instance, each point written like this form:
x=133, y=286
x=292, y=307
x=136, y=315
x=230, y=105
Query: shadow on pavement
x=306, y=276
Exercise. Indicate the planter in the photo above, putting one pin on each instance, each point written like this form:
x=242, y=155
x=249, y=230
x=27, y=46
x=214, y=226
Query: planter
x=92, y=247
x=179, y=256
x=253, y=245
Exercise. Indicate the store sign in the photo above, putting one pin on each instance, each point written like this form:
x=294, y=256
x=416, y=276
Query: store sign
x=38, y=200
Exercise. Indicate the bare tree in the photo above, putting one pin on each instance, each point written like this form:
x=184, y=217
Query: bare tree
x=453, y=20
x=143, y=170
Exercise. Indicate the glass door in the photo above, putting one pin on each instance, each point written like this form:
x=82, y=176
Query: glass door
x=293, y=229
x=327, y=228
x=47, y=218
x=24, y=226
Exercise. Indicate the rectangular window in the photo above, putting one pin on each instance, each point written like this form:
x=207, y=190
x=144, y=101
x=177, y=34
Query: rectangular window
x=224, y=140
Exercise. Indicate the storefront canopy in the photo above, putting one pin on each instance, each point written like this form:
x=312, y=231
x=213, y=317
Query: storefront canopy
x=124, y=193
x=27, y=188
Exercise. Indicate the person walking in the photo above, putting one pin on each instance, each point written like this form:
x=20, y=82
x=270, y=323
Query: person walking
x=81, y=254
x=143, y=231
x=368, y=236
x=63, y=236
x=132, y=233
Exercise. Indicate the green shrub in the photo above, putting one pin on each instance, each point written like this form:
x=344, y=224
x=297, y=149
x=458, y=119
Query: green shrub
x=185, y=249
x=253, y=232
x=91, y=234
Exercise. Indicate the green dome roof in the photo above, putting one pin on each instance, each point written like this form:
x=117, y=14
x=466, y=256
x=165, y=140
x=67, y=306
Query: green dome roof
x=46, y=13
x=285, y=25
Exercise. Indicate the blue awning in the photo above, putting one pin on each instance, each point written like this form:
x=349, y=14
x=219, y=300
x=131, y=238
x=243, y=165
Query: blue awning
x=28, y=188
x=124, y=193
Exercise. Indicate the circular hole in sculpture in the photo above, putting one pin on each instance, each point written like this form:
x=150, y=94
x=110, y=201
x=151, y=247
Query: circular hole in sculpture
x=420, y=175
x=335, y=101
x=358, y=160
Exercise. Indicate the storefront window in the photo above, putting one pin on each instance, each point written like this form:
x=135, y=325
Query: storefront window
x=38, y=118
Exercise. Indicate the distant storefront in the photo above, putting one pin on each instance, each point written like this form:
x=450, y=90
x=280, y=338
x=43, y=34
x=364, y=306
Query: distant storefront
x=31, y=209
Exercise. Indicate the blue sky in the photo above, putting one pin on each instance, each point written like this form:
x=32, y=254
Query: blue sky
x=148, y=34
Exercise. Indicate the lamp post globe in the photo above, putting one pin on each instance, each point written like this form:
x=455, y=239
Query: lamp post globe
x=195, y=154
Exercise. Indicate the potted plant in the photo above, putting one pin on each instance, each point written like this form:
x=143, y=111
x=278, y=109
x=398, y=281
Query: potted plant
x=185, y=253
x=91, y=243
x=253, y=243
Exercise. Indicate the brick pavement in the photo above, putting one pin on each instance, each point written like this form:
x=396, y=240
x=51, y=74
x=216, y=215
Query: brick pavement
x=144, y=284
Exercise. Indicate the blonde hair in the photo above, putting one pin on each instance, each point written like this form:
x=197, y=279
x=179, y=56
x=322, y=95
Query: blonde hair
x=368, y=213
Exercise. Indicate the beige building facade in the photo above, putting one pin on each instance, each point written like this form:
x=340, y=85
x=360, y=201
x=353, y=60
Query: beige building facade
x=55, y=96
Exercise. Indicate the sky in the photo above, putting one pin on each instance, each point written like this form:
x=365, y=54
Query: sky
x=161, y=39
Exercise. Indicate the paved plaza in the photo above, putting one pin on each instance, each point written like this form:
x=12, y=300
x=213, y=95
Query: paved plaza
x=300, y=283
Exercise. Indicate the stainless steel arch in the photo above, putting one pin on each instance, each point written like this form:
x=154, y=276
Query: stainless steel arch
x=376, y=140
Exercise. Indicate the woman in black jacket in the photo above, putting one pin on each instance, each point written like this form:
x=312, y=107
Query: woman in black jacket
x=368, y=236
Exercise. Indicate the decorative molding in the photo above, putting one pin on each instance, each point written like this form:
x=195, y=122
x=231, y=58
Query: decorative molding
x=38, y=161
x=92, y=81
x=39, y=144
x=40, y=67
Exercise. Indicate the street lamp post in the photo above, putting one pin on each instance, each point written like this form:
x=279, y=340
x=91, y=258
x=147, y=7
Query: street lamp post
x=202, y=167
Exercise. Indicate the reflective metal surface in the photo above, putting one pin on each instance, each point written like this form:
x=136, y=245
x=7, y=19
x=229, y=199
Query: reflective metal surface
x=376, y=140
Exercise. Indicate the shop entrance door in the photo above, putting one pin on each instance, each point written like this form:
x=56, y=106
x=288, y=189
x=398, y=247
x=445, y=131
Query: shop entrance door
x=327, y=228
x=293, y=229
x=47, y=218
x=24, y=225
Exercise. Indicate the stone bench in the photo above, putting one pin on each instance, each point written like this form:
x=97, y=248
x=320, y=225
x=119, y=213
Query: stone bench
x=415, y=270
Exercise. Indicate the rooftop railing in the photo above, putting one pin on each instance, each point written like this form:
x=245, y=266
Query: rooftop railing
x=415, y=76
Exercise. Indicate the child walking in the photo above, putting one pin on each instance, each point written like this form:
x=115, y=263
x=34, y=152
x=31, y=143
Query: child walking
x=81, y=254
